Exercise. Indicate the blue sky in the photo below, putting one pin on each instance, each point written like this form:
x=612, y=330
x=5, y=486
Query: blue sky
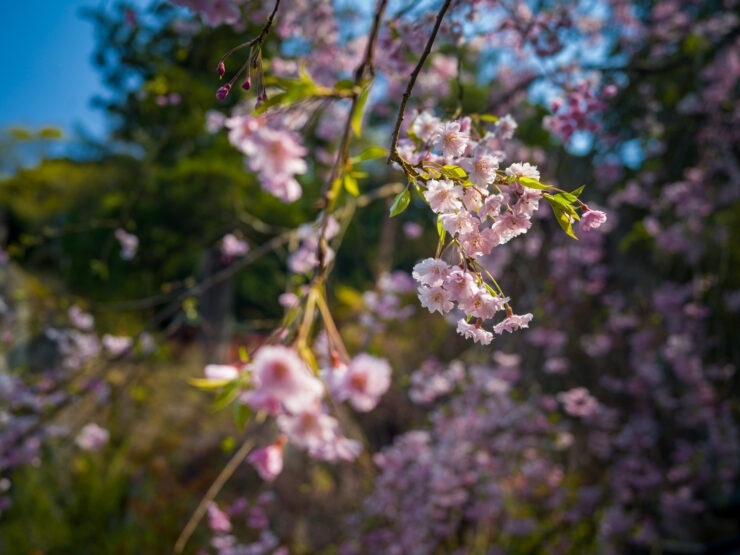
x=47, y=77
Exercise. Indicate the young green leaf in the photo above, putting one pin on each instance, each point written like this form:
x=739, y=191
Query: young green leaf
x=205, y=384
x=400, y=203
x=359, y=109
x=226, y=396
x=241, y=415
x=350, y=184
x=564, y=220
x=344, y=84
x=370, y=153
x=440, y=230
x=577, y=192
x=532, y=183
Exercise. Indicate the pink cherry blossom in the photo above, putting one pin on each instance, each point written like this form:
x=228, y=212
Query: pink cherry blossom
x=476, y=333
x=277, y=152
x=481, y=304
x=425, y=126
x=412, y=230
x=430, y=271
x=460, y=283
x=435, y=299
x=451, y=140
x=505, y=127
x=129, y=244
x=79, y=318
x=308, y=429
x=217, y=519
x=221, y=372
x=280, y=376
x=268, y=461
x=481, y=169
x=491, y=207
x=116, y=345
x=578, y=402
x=442, y=196
x=461, y=223
x=592, y=219
x=231, y=246
x=92, y=437
x=366, y=379
x=524, y=169
x=513, y=323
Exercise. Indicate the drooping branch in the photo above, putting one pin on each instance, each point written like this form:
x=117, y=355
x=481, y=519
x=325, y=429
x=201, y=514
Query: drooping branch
x=339, y=163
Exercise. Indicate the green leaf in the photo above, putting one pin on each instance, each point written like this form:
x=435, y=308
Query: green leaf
x=577, y=192
x=359, y=109
x=489, y=117
x=350, y=184
x=563, y=200
x=206, y=384
x=241, y=415
x=370, y=153
x=491, y=290
x=532, y=183
x=99, y=268
x=226, y=396
x=568, y=197
x=294, y=90
x=50, y=133
x=454, y=171
x=562, y=218
x=400, y=203
x=336, y=187
x=344, y=85
x=420, y=191
x=440, y=230
x=303, y=75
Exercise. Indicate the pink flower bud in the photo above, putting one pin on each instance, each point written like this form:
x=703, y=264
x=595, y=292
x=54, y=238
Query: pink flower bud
x=247, y=84
x=223, y=92
x=221, y=69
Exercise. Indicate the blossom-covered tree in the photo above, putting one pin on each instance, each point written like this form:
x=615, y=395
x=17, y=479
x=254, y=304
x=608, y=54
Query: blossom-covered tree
x=602, y=420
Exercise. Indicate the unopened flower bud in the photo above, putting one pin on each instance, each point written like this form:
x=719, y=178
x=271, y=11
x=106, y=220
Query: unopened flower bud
x=223, y=92
x=221, y=69
x=247, y=84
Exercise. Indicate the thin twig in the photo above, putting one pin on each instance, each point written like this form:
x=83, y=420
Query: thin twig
x=328, y=191
x=218, y=483
x=394, y=156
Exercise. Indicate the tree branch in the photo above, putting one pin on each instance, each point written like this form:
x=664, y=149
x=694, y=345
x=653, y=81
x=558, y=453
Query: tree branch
x=394, y=156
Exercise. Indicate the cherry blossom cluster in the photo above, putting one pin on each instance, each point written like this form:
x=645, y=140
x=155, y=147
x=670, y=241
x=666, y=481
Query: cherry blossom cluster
x=239, y=515
x=384, y=304
x=576, y=112
x=278, y=382
x=480, y=206
x=214, y=12
x=305, y=258
x=272, y=151
x=26, y=397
